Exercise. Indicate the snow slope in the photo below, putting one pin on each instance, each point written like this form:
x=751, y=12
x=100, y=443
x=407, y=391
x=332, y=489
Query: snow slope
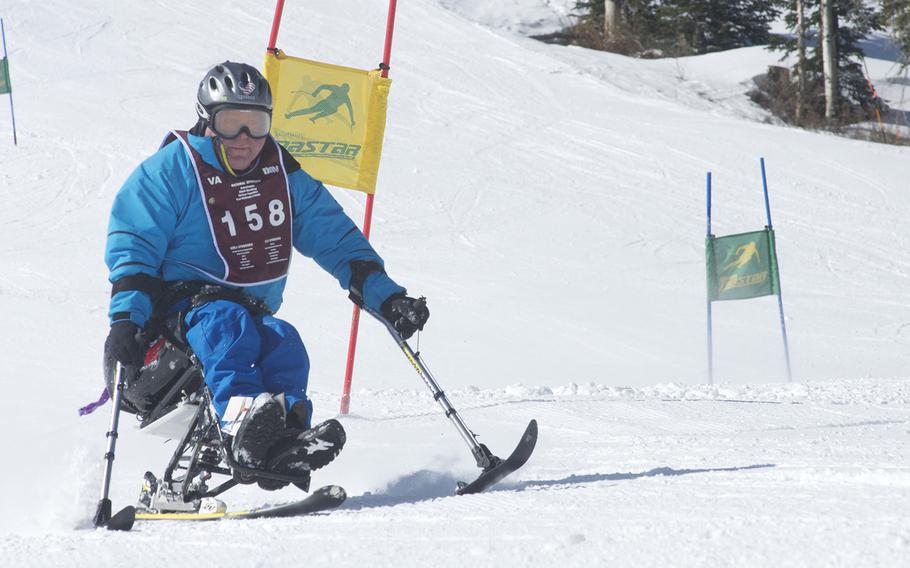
x=668, y=476
x=549, y=202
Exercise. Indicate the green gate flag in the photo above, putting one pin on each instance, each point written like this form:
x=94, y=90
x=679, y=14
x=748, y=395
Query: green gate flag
x=5, y=86
x=742, y=266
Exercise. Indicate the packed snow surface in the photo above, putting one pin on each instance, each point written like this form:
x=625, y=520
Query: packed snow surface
x=549, y=202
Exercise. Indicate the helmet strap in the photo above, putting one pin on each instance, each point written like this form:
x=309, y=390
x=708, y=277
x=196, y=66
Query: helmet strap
x=222, y=157
x=199, y=128
x=222, y=153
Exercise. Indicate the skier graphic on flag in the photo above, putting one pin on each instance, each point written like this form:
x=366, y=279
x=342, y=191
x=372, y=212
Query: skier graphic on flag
x=744, y=255
x=338, y=95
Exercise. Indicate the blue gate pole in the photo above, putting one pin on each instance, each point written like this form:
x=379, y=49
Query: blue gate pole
x=708, y=297
x=12, y=112
x=780, y=294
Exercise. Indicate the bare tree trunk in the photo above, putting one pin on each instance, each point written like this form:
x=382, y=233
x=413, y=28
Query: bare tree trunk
x=801, y=59
x=829, y=57
x=612, y=14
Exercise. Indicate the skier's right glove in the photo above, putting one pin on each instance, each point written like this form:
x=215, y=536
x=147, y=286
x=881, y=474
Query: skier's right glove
x=406, y=314
x=123, y=344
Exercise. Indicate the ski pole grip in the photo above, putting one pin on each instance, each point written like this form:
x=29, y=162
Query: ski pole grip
x=383, y=321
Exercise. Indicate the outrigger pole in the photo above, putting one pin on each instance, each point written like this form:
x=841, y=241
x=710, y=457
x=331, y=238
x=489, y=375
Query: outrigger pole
x=124, y=519
x=493, y=468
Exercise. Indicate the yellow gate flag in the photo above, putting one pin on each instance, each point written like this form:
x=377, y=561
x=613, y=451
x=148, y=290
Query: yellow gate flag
x=331, y=118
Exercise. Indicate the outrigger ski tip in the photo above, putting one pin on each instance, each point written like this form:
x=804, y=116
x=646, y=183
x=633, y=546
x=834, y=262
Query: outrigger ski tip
x=122, y=521
x=498, y=468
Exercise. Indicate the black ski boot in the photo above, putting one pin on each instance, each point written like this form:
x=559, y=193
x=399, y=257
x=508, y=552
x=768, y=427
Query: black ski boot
x=300, y=452
x=259, y=430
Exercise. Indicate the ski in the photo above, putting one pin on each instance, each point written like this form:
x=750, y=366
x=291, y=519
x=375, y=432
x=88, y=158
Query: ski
x=323, y=499
x=501, y=468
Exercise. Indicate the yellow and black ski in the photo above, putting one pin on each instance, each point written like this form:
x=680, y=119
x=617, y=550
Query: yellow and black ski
x=322, y=499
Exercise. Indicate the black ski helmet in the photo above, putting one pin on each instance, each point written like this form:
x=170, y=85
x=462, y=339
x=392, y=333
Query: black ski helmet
x=234, y=85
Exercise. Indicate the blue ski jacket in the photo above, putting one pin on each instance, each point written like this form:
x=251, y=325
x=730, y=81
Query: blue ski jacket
x=158, y=227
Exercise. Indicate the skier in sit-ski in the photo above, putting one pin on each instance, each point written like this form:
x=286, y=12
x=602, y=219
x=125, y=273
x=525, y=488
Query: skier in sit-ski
x=217, y=211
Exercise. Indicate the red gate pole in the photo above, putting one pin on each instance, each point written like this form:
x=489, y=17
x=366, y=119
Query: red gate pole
x=276, y=21
x=367, y=221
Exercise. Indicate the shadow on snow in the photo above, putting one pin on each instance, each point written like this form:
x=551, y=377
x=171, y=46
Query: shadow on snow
x=656, y=472
x=425, y=485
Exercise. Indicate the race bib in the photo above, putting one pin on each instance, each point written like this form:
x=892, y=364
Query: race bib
x=249, y=216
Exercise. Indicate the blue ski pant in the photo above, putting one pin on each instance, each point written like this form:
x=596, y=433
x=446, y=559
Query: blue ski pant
x=245, y=355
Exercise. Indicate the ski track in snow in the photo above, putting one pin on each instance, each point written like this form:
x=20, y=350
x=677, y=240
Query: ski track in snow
x=550, y=203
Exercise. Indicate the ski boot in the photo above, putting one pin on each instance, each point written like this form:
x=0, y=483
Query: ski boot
x=257, y=429
x=298, y=452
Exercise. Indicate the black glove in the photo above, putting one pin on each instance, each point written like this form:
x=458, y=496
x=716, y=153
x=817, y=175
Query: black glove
x=406, y=314
x=123, y=344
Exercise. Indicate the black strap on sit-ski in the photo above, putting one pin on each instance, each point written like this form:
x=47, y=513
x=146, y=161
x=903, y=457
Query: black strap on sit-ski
x=164, y=322
x=168, y=313
x=212, y=292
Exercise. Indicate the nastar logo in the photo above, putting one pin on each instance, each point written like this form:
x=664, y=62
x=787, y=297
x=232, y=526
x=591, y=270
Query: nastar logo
x=248, y=88
x=322, y=149
x=270, y=170
x=731, y=282
x=214, y=180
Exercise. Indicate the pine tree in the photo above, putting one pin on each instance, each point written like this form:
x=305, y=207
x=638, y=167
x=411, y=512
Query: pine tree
x=590, y=10
x=802, y=32
x=704, y=26
x=633, y=27
x=855, y=20
x=682, y=27
x=612, y=19
x=897, y=14
x=829, y=32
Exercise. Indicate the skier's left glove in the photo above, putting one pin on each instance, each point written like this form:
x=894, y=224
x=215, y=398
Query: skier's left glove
x=123, y=343
x=406, y=314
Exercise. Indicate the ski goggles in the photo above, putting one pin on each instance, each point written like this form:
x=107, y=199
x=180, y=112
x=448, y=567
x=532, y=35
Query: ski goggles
x=231, y=122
